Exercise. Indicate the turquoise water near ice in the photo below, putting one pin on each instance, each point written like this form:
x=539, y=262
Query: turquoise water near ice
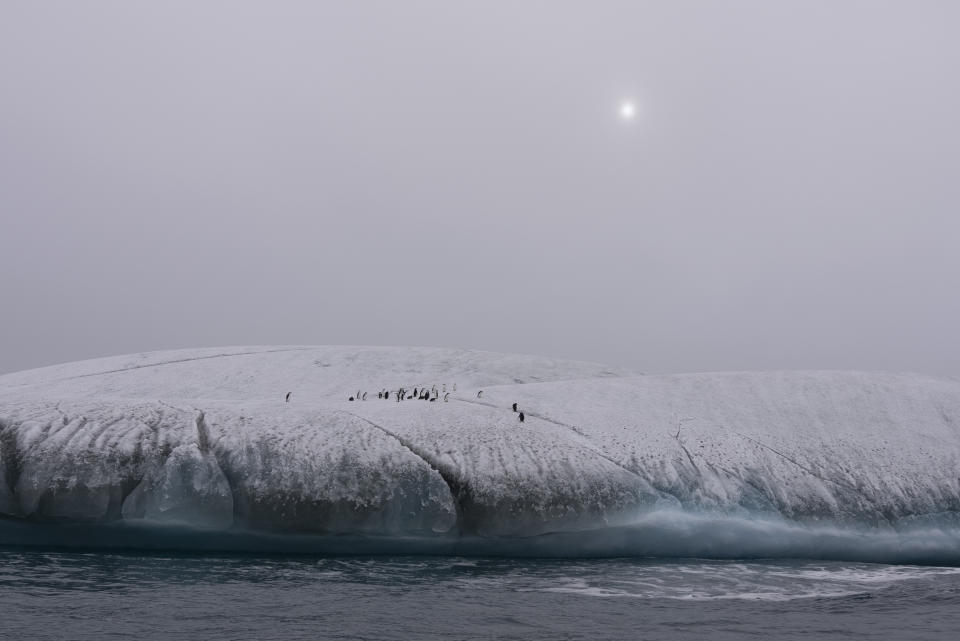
x=81, y=595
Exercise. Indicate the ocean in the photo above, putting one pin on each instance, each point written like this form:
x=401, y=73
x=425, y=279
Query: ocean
x=47, y=595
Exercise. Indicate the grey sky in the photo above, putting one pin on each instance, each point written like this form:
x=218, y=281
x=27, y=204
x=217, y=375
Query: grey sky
x=178, y=174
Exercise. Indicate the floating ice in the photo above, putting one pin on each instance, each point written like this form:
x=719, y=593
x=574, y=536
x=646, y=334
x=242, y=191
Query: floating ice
x=204, y=439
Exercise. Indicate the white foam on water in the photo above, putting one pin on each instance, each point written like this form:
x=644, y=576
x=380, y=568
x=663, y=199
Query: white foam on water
x=752, y=582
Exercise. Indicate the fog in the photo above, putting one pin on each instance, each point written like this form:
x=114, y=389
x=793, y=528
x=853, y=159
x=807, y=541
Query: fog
x=186, y=174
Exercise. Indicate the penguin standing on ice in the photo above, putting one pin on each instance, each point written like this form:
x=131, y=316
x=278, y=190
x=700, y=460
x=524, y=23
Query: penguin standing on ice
x=364, y=397
x=514, y=408
x=480, y=394
x=446, y=397
x=287, y=397
x=521, y=417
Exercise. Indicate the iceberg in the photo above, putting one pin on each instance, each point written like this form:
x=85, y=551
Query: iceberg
x=205, y=446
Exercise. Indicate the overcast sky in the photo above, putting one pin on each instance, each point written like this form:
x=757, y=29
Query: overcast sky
x=184, y=174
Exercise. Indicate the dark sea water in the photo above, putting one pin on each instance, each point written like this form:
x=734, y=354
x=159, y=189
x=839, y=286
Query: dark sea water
x=103, y=595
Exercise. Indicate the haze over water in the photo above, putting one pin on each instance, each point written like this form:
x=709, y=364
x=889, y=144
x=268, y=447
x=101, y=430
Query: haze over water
x=663, y=187
x=186, y=174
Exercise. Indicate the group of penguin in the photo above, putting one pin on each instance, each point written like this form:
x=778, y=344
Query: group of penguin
x=403, y=394
x=422, y=394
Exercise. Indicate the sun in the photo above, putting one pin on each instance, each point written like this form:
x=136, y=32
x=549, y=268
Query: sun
x=628, y=110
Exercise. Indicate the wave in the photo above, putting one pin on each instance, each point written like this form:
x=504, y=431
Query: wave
x=663, y=534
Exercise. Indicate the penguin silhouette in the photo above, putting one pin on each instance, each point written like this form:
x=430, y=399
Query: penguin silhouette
x=514, y=407
x=521, y=417
x=446, y=397
x=287, y=399
x=480, y=394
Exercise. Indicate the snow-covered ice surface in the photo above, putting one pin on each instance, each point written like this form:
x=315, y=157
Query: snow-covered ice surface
x=199, y=448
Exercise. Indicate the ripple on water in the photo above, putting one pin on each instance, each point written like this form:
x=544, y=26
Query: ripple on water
x=171, y=596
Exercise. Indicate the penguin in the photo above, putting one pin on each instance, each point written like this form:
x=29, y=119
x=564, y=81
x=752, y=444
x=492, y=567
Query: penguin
x=364, y=397
x=514, y=407
x=287, y=398
x=480, y=394
x=351, y=398
x=415, y=392
x=521, y=417
x=446, y=397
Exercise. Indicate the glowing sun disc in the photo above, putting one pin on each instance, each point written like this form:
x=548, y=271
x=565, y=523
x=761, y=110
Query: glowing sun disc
x=628, y=110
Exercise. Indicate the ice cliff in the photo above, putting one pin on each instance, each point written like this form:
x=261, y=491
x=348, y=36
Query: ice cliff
x=205, y=439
